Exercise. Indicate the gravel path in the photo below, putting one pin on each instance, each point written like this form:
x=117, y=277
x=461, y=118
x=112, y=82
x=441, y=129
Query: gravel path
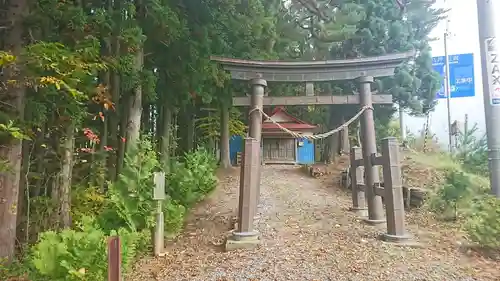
x=307, y=234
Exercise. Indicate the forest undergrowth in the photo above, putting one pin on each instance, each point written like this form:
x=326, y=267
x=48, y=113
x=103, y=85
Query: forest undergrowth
x=126, y=209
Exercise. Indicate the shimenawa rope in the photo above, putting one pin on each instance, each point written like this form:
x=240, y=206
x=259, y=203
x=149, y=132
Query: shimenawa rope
x=318, y=136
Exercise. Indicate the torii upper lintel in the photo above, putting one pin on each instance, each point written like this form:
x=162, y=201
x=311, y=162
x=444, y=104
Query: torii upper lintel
x=313, y=71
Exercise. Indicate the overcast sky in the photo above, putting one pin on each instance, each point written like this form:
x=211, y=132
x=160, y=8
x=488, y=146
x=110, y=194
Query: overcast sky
x=463, y=25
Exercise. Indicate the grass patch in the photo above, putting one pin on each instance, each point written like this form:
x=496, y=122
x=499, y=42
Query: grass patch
x=428, y=170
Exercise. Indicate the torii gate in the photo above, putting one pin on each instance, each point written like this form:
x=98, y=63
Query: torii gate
x=258, y=73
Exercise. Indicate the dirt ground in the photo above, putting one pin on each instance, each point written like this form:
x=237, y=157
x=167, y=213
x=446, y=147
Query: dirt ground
x=308, y=234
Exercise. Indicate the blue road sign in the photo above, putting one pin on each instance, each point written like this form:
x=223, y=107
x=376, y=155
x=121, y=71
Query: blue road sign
x=461, y=74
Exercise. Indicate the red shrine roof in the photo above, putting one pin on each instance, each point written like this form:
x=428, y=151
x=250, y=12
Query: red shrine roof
x=286, y=120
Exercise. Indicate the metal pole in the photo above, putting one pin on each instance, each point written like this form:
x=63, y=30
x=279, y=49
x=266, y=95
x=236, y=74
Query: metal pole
x=447, y=87
x=490, y=66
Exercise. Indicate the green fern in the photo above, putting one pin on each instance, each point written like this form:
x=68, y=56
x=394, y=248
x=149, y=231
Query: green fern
x=130, y=198
x=71, y=255
x=193, y=178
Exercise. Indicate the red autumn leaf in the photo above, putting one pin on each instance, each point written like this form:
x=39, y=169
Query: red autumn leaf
x=86, y=150
x=90, y=135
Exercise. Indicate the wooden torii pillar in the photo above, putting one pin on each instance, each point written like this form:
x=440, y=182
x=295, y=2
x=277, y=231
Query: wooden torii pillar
x=258, y=73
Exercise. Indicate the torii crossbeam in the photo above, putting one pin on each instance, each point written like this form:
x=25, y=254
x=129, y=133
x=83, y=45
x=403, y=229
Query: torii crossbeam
x=312, y=71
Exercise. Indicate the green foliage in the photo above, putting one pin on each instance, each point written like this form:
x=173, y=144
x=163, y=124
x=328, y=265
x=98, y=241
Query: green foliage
x=43, y=210
x=132, y=244
x=464, y=196
x=130, y=198
x=174, y=214
x=471, y=151
x=193, y=178
x=483, y=226
x=86, y=202
x=129, y=201
x=71, y=254
x=16, y=269
x=210, y=126
x=80, y=62
x=80, y=254
x=12, y=131
x=464, y=193
x=449, y=198
x=390, y=129
x=127, y=211
x=353, y=29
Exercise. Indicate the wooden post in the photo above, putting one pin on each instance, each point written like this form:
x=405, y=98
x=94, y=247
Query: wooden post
x=393, y=192
x=159, y=196
x=114, y=259
x=357, y=183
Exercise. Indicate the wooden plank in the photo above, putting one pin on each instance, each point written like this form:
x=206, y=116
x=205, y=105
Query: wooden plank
x=279, y=150
x=312, y=100
x=114, y=259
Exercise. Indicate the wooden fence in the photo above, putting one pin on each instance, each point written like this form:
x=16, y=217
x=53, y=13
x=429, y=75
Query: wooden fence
x=391, y=191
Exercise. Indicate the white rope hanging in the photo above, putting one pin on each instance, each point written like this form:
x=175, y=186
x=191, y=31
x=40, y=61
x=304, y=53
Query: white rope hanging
x=318, y=136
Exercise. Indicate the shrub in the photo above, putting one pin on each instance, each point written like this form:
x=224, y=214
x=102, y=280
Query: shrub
x=472, y=152
x=42, y=212
x=14, y=271
x=127, y=210
x=130, y=199
x=81, y=254
x=71, y=254
x=202, y=164
x=86, y=201
x=174, y=214
x=483, y=226
x=447, y=200
x=193, y=178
